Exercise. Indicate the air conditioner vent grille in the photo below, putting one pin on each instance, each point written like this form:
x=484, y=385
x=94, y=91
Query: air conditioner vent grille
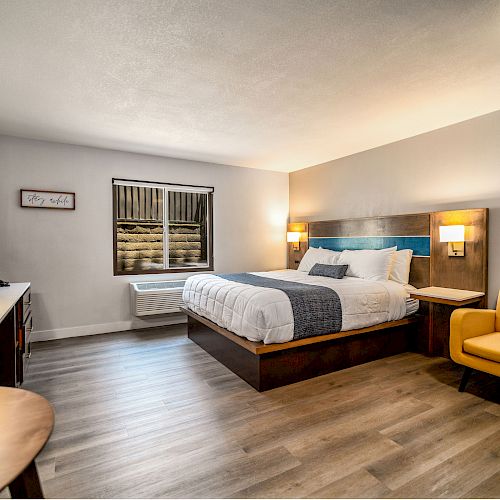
x=159, y=297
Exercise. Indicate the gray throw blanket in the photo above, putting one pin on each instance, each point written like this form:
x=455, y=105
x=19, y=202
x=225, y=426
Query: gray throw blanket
x=316, y=309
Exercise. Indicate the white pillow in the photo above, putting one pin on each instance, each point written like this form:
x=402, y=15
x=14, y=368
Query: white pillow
x=368, y=264
x=317, y=256
x=400, y=269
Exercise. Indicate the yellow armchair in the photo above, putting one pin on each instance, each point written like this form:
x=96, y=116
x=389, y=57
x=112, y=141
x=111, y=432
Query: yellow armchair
x=475, y=341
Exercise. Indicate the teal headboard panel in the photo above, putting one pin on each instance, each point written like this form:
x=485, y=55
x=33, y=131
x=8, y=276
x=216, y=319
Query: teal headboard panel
x=421, y=245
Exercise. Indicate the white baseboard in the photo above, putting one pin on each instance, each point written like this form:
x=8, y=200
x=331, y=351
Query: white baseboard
x=117, y=326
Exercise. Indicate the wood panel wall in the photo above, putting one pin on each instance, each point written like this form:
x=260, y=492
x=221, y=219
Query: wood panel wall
x=471, y=271
x=392, y=225
x=295, y=256
x=468, y=273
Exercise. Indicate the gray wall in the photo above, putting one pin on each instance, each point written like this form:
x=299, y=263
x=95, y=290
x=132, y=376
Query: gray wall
x=68, y=256
x=450, y=168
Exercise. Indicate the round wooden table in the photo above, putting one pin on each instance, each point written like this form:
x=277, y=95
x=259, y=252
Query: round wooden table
x=26, y=422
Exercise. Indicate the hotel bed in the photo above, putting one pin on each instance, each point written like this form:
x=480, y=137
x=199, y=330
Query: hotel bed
x=262, y=314
x=273, y=329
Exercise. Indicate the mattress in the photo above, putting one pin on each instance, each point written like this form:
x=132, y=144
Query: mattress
x=265, y=315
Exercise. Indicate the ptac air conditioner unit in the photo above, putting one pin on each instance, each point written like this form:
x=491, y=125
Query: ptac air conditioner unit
x=156, y=297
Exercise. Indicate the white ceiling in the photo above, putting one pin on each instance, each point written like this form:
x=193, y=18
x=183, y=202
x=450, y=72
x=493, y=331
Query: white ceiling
x=274, y=84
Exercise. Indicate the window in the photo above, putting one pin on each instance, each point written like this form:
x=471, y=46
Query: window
x=161, y=228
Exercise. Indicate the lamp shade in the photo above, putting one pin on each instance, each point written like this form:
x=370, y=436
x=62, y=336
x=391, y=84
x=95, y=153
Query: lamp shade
x=293, y=237
x=453, y=234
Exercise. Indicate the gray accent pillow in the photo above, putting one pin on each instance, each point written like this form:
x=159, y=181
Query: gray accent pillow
x=329, y=271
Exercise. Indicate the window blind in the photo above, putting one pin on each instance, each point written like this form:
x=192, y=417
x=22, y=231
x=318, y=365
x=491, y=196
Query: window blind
x=169, y=187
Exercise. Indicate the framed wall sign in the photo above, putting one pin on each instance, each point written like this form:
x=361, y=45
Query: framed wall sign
x=34, y=198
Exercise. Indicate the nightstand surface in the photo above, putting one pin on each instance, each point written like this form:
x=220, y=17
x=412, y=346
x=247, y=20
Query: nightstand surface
x=451, y=296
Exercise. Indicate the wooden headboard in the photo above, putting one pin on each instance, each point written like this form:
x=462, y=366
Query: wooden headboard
x=431, y=265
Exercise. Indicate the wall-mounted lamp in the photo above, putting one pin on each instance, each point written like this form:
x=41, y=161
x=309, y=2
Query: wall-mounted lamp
x=293, y=237
x=455, y=237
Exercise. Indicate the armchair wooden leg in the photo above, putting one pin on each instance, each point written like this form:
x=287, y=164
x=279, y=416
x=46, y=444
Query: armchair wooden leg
x=465, y=379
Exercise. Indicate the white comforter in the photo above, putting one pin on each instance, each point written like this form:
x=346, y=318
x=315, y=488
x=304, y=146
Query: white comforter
x=265, y=314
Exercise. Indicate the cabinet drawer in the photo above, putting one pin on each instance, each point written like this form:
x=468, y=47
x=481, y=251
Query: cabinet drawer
x=26, y=305
x=27, y=328
x=24, y=334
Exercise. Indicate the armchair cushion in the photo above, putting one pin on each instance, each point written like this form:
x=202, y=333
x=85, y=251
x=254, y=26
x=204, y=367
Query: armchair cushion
x=466, y=324
x=485, y=346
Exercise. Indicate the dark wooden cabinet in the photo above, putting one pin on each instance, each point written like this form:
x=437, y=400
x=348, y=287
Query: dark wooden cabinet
x=15, y=333
x=8, y=350
x=24, y=325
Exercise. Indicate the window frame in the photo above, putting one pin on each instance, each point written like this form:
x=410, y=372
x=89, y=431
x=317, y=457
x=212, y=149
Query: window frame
x=210, y=224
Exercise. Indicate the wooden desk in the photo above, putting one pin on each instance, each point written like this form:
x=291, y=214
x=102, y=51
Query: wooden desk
x=442, y=302
x=26, y=422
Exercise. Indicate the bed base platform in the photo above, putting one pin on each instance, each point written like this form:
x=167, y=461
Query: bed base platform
x=269, y=366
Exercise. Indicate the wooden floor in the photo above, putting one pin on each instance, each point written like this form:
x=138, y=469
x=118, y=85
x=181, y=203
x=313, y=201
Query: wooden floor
x=150, y=414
